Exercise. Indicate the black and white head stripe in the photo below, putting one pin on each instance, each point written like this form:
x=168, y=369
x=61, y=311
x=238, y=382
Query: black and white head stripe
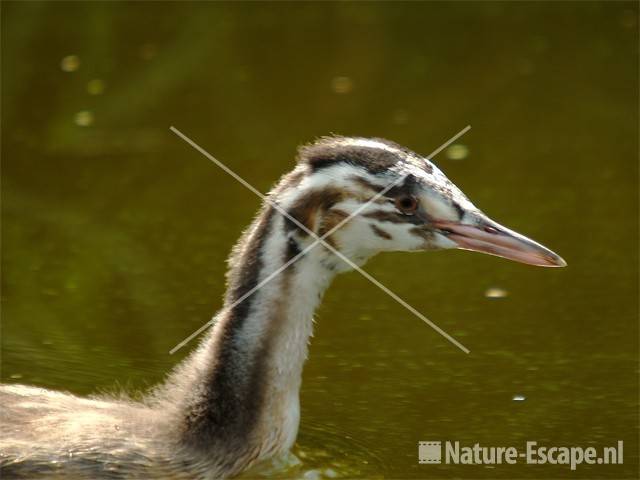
x=375, y=155
x=384, y=161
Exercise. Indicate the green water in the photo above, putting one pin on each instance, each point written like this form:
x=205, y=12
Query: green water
x=115, y=232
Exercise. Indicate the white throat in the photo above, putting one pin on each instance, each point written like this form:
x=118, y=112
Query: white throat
x=282, y=315
x=244, y=379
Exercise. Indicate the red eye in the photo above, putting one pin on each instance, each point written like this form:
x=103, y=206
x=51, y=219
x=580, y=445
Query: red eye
x=407, y=204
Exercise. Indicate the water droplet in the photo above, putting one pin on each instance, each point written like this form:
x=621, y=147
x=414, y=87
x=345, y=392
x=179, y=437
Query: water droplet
x=457, y=152
x=519, y=398
x=342, y=85
x=16, y=376
x=330, y=473
x=70, y=63
x=83, y=118
x=312, y=475
x=496, y=292
x=95, y=87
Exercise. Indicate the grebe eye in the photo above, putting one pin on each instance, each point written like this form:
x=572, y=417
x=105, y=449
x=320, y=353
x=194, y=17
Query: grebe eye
x=407, y=204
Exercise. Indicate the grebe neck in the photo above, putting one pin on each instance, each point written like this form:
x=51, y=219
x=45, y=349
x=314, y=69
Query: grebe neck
x=247, y=373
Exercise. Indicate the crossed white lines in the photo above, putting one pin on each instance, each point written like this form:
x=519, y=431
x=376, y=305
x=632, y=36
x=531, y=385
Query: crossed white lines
x=318, y=240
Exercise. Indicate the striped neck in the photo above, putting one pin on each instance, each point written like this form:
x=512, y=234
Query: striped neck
x=245, y=397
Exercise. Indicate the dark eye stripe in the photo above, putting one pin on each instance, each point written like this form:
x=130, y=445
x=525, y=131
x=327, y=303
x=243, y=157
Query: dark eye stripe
x=392, y=217
x=459, y=209
x=381, y=233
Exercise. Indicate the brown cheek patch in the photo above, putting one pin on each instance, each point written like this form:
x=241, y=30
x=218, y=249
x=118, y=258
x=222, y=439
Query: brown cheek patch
x=331, y=219
x=307, y=208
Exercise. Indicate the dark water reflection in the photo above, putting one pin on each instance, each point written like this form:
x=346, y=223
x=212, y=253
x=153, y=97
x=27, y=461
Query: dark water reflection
x=115, y=232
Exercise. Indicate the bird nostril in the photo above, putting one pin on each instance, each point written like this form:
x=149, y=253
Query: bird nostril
x=491, y=230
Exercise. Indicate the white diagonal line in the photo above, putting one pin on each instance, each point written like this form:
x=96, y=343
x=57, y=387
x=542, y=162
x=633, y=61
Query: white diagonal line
x=449, y=142
x=317, y=241
x=286, y=265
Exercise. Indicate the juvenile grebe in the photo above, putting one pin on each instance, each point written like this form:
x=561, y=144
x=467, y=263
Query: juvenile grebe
x=235, y=399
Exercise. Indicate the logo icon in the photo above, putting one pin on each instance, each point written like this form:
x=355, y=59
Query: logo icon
x=429, y=452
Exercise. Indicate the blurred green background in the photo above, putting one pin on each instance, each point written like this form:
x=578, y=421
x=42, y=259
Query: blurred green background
x=115, y=232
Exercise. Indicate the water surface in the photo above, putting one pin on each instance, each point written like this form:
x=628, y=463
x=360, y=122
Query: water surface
x=115, y=232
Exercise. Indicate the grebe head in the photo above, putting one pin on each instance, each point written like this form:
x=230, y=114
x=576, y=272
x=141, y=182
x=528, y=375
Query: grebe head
x=423, y=209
